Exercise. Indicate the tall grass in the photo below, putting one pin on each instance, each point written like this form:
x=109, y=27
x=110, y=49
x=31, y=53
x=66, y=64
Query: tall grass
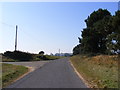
x=99, y=71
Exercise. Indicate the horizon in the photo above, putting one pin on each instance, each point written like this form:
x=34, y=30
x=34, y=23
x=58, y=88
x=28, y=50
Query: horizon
x=46, y=26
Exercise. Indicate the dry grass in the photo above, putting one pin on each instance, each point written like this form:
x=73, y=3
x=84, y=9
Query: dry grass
x=99, y=71
x=11, y=72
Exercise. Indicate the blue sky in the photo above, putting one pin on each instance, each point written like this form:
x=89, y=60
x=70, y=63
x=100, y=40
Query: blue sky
x=47, y=26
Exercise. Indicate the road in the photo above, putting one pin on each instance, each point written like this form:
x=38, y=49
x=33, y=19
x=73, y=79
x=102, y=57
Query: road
x=34, y=64
x=54, y=74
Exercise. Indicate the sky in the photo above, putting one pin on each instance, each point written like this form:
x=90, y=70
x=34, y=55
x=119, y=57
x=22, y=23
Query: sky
x=46, y=26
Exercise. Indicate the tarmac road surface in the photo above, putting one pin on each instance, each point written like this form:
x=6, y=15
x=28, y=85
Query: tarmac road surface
x=53, y=74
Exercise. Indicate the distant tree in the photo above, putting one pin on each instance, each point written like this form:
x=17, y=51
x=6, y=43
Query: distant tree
x=51, y=54
x=41, y=52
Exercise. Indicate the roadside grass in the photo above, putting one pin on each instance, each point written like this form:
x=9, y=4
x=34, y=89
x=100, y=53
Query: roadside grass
x=11, y=72
x=98, y=71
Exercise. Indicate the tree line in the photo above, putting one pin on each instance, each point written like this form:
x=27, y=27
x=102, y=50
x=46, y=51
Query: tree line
x=26, y=56
x=101, y=35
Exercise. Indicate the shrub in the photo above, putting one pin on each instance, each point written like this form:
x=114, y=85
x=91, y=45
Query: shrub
x=18, y=55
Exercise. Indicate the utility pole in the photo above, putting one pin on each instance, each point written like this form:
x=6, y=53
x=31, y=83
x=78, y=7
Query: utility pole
x=59, y=52
x=16, y=38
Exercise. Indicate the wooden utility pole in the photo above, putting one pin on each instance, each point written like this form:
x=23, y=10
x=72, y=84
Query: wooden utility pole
x=59, y=52
x=16, y=38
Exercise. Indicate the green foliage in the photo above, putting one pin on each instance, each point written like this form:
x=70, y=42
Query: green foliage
x=98, y=35
x=113, y=39
x=18, y=55
x=96, y=16
x=41, y=52
x=47, y=57
x=15, y=56
x=116, y=22
x=113, y=43
x=76, y=50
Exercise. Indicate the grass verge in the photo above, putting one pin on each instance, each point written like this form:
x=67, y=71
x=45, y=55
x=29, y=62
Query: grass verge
x=98, y=71
x=11, y=72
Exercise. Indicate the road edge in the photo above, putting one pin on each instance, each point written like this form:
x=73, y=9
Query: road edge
x=30, y=69
x=80, y=76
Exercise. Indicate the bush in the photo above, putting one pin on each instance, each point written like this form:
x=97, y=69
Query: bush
x=18, y=55
x=47, y=57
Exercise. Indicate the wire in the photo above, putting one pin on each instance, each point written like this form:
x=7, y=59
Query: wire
x=28, y=35
x=8, y=24
x=23, y=31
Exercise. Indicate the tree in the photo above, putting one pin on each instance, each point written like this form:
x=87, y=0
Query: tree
x=101, y=35
x=76, y=50
x=113, y=39
x=116, y=22
x=113, y=43
x=103, y=28
x=93, y=36
x=96, y=16
x=41, y=52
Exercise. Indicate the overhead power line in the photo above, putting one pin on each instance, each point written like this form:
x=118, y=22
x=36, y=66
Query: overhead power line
x=7, y=24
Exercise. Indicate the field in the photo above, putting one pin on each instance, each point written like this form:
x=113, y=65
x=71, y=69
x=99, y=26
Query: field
x=11, y=72
x=98, y=71
x=39, y=57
